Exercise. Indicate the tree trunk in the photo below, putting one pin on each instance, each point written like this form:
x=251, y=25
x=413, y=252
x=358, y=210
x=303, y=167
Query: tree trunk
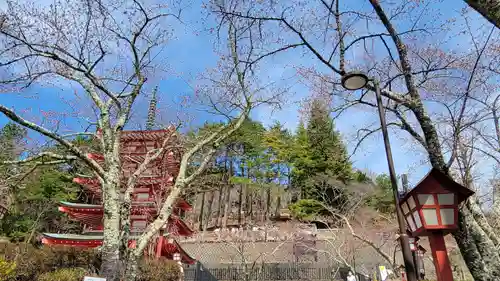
x=268, y=203
x=194, y=213
x=219, y=208
x=249, y=204
x=111, y=267
x=479, y=216
x=241, y=215
x=227, y=204
x=277, y=211
x=202, y=212
x=495, y=207
x=248, y=199
x=476, y=248
x=240, y=205
x=208, y=215
x=489, y=9
x=262, y=207
x=221, y=189
x=132, y=267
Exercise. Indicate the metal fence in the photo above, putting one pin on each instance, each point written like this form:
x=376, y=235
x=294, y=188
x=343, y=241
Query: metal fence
x=267, y=272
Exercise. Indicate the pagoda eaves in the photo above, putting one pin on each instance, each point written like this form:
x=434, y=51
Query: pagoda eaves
x=169, y=247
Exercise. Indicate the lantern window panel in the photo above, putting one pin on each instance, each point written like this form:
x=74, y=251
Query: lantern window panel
x=430, y=217
x=405, y=209
x=447, y=216
x=411, y=203
x=418, y=221
x=426, y=199
x=411, y=223
x=446, y=199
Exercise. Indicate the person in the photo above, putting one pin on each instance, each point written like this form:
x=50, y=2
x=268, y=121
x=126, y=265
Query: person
x=350, y=276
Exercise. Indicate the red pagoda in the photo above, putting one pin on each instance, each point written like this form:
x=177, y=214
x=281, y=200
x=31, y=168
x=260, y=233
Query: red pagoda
x=151, y=189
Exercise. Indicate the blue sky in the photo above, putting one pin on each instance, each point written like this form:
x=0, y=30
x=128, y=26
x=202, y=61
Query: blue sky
x=191, y=52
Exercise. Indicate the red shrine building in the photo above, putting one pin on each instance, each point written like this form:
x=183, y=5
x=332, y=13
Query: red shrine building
x=151, y=189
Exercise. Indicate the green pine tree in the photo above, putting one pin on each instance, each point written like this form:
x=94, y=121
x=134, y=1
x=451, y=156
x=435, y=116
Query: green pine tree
x=328, y=153
x=320, y=162
x=32, y=194
x=382, y=198
x=301, y=159
x=11, y=137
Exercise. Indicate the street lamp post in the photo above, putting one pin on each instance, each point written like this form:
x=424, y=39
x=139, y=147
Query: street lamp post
x=356, y=81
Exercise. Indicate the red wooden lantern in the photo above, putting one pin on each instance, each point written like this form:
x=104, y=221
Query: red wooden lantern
x=433, y=204
x=431, y=209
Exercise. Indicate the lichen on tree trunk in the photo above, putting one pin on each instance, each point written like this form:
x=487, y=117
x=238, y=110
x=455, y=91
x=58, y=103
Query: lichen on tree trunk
x=111, y=265
x=132, y=268
x=490, y=9
x=476, y=248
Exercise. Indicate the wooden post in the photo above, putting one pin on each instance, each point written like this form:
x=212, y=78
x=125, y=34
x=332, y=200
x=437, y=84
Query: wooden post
x=440, y=255
x=159, y=244
x=404, y=183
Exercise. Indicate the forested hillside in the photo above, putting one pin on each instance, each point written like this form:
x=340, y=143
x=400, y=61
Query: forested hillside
x=260, y=171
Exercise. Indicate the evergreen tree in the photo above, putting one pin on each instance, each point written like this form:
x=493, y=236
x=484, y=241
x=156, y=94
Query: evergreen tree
x=382, y=198
x=11, y=137
x=328, y=153
x=32, y=194
x=278, y=142
x=301, y=159
x=318, y=150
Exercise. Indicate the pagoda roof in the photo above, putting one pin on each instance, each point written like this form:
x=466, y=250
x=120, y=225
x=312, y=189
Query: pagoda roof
x=73, y=236
x=147, y=134
x=138, y=135
x=95, y=208
x=92, y=214
x=92, y=241
x=137, y=157
x=93, y=185
x=140, y=181
x=99, y=207
x=171, y=247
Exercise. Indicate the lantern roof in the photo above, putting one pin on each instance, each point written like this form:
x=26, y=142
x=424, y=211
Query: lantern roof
x=438, y=182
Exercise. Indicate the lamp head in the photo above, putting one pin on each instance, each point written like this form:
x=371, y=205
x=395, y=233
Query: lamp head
x=354, y=80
